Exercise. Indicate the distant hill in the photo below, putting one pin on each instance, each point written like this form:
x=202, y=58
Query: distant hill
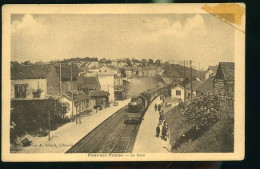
x=177, y=71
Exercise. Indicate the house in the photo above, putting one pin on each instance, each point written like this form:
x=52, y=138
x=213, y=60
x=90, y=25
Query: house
x=147, y=71
x=69, y=76
x=76, y=104
x=224, y=86
x=130, y=71
x=205, y=86
x=211, y=71
x=106, y=81
x=92, y=65
x=99, y=98
x=119, y=63
x=178, y=92
x=195, y=85
x=82, y=66
x=34, y=81
x=88, y=84
x=106, y=77
x=120, y=92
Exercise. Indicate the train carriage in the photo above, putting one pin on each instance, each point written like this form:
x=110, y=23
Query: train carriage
x=139, y=104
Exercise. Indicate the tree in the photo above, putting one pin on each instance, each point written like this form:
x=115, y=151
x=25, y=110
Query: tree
x=150, y=61
x=123, y=73
x=205, y=109
x=158, y=62
x=37, y=93
x=27, y=62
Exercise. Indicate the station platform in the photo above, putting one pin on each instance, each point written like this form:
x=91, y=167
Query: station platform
x=70, y=133
x=146, y=140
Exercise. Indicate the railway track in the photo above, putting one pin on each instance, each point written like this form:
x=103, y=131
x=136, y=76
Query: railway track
x=111, y=136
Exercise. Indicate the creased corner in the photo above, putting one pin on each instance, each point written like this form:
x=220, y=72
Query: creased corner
x=231, y=13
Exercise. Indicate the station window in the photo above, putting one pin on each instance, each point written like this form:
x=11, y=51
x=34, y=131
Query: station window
x=178, y=92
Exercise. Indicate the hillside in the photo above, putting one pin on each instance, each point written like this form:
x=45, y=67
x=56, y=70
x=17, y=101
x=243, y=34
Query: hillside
x=195, y=127
x=219, y=138
x=177, y=71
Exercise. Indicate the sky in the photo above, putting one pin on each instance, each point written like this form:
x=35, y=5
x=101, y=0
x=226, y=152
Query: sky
x=202, y=38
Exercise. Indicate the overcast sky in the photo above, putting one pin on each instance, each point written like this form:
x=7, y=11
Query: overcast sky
x=201, y=38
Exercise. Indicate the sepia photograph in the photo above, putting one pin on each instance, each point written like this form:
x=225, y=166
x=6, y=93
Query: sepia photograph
x=123, y=82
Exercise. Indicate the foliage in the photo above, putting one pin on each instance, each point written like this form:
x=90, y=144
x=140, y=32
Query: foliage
x=32, y=116
x=37, y=93
x=204, y=109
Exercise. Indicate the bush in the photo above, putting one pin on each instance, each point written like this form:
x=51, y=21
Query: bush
x=205, y=109
x=32, y=116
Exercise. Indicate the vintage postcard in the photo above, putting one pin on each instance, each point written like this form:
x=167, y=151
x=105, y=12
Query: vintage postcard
x=161, y=82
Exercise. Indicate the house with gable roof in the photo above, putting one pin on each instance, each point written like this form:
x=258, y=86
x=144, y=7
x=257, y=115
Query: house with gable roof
x=224, y=86
x=34, y=82
x=211, y=71
x=205, y=86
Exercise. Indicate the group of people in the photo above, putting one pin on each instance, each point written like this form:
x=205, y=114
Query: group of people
x=158, y=107
x=162, y=128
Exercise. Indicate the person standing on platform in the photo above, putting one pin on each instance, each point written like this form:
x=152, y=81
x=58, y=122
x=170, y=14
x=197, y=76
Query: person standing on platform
x=161, y=118
x=158, y=130
x=159, y=107
x=164, y=131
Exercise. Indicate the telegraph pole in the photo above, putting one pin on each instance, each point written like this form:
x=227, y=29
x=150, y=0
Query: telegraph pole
x=184, y=69
x=191, y=80
x=199, y=70
x=61, y=93
x=72, y=99
x=184, y=81
x=49, y=121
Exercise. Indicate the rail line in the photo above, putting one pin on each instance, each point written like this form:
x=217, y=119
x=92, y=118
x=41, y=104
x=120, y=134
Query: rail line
x=95, y=131
x=111, y=136
x=124, y=140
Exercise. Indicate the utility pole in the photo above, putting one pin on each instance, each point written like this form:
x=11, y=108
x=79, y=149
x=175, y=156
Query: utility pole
x=184, y=69
x=61, y=94
x=199, y=70
x=49, y=121
x=191, y=80
x=76, y=113
x=72, y=99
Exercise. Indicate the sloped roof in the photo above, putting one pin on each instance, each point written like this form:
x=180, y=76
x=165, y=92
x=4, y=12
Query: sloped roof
x=195, y=85
x=214, y=68
x=30, y=71
x=66, y=71
x=88, y=82
x=178, y=85
x=122, y=87
x=228, y=70
x=98, y=94
x=149, y=79
x=76, y=97
x=206, y=86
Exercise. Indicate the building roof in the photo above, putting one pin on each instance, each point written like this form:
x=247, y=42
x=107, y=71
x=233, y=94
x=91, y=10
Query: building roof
x=67, y=71
x=228, y=70
x=121, y=87
x=30, y=71
x=153, y=80
x=98, y=94
x=195, y=85
x=206, y=86
x=76, y=97
x=177, y=85
x=213, y=68
x=88, y=82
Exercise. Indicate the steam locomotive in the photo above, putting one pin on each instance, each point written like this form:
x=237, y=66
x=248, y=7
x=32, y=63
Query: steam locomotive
x=139, y=104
